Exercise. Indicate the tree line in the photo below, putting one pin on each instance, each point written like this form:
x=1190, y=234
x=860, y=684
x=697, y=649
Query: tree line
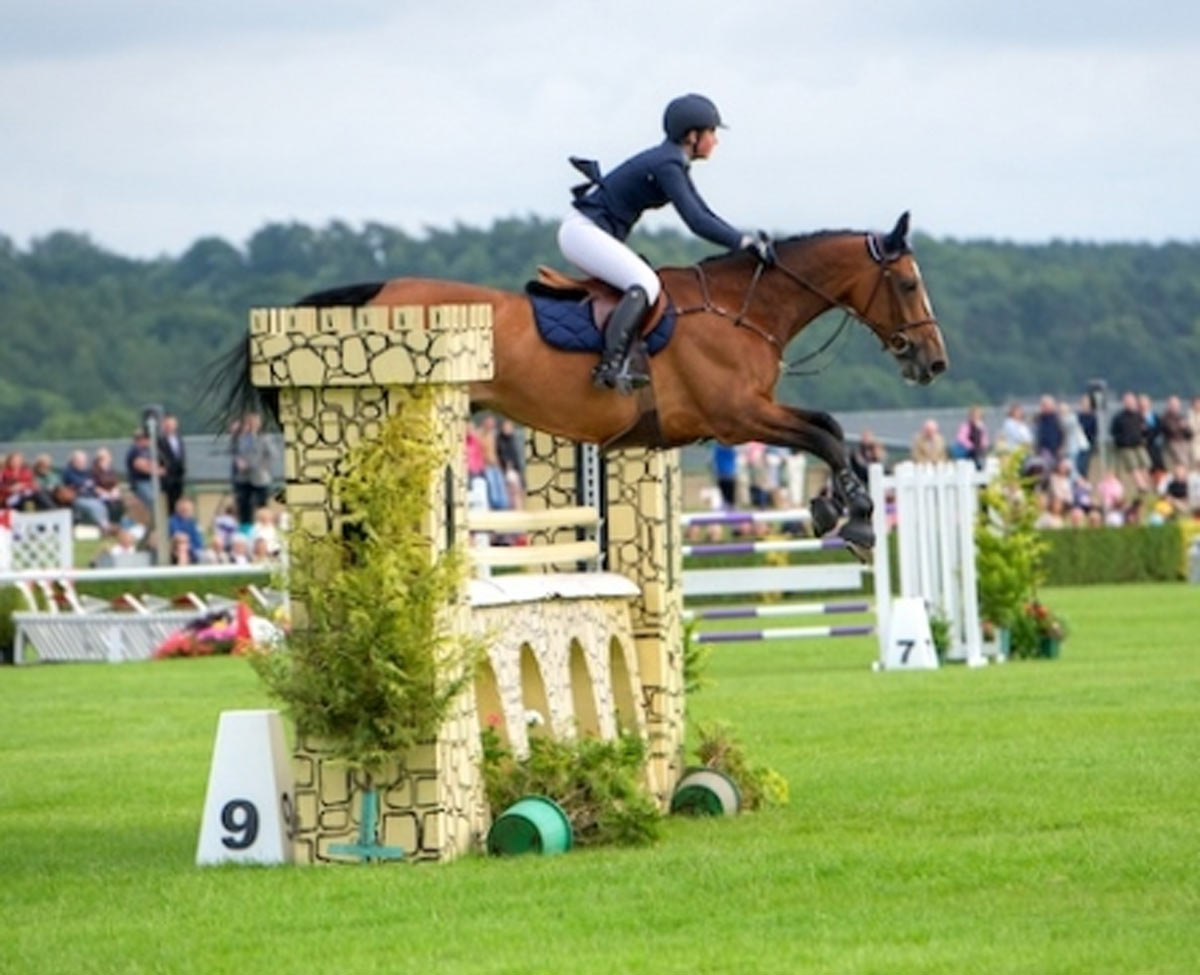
x=90, y=336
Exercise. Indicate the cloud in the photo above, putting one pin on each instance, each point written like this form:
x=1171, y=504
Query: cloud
x=163, y=124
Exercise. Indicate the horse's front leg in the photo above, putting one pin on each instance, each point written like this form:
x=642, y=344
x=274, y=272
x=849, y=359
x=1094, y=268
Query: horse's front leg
x=821, y=435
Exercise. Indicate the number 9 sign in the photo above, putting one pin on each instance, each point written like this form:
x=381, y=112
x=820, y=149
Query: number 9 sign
x=248, y=810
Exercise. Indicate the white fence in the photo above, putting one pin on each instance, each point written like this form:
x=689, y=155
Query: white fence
x=36, y=540
x=934, y=515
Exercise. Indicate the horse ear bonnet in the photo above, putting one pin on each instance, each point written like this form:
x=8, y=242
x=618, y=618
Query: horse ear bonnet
x=896, y=242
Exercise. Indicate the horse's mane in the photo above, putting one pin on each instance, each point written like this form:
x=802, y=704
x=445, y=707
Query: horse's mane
x=796, y=239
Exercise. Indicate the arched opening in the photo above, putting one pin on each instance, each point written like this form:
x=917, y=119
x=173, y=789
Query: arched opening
x=533, y=693
x=489, y=709
x=623, y=692
x=583, y=693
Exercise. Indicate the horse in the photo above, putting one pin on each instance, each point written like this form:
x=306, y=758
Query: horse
x=716, y=377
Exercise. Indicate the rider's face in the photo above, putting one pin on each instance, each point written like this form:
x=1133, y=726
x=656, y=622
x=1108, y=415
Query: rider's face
x=703, y=142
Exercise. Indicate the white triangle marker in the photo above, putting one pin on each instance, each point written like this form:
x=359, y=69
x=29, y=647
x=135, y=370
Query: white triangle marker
x=250, y=803
x=909, y=641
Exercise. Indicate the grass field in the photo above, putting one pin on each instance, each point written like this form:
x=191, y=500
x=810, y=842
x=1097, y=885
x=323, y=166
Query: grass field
x=1032, y=817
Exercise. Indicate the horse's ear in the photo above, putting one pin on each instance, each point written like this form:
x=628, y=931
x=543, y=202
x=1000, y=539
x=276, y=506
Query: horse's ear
x=897, y=241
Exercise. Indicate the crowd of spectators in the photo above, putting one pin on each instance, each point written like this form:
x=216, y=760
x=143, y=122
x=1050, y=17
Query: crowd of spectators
x=1146, y=471
x=243, y=530
x=495, y=472
x=1144, y=468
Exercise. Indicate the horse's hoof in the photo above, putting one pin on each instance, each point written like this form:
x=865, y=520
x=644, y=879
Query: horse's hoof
x=859, y=537
x=824, y=515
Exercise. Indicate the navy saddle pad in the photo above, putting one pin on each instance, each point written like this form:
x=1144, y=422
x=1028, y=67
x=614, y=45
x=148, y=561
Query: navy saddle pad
x=565, y=322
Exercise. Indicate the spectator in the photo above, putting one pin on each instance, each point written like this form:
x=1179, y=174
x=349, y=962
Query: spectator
x=508, y=450
x=1049, y=438
x=928, y=446
x=497, y=486
x=86, y=504
x=476, y=464
x=863, y=454
x=182, y=552
x=46, y=485
x=239, y=550
x=1014, y=432
x=971, y=440
x=1061, y=484
x=724, y=470
x=225, y=526
x=1110, y=493
x=755, y=453
x=1133, y=462
x=1177, y=434
x=1175, y=492
x=1152, y=434
x=183, y=523
x=139, y=469
x=218, y=549
x=252, y=456
x=1085, y=416
x=1194, y=423
x=16, y=481
x=260, y=551
x=123, y=548
x=266, y=530
x=174, y=462
x=108, y=484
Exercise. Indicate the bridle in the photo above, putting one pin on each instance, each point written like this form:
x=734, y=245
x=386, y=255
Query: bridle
x=893, y=338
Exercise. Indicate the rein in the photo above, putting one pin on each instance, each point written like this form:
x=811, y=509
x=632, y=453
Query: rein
x=740, y=319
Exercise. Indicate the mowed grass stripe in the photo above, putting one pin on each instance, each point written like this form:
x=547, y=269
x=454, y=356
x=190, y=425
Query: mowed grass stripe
x=1029, y=817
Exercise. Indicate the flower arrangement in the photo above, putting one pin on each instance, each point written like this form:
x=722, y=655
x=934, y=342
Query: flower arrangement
x=224, y=631
x=1037, y=631
x=1048, y=624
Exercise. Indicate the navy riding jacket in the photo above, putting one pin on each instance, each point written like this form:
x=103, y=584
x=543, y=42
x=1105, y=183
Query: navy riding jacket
x=647, y=181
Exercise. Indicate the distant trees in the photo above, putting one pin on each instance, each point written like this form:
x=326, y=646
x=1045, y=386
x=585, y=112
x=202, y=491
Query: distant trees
x=89, y=336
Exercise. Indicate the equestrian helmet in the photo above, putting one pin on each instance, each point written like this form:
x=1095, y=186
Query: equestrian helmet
x=689, y=112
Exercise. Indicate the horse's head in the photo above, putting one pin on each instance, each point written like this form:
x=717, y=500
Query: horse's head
x=893, y=302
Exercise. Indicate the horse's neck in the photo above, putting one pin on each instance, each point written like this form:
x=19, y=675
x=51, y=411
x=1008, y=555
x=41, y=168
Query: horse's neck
x=823, y=271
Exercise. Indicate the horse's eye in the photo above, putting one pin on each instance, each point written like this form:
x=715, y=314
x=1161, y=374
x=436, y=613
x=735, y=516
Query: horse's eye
x=908, y=285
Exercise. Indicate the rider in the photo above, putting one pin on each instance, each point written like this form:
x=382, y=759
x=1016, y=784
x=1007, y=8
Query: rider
x=607, y=206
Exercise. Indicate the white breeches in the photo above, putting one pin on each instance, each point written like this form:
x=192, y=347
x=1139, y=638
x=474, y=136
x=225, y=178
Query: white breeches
x=598, y=253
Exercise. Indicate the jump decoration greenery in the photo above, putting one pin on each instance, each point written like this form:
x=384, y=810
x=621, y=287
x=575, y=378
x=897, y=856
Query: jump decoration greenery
x=759, y=785
x=597, y=783
x=1010, y=561
x=369, y=670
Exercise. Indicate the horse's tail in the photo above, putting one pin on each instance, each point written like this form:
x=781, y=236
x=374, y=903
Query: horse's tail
x=227, y=378
x=227, y=387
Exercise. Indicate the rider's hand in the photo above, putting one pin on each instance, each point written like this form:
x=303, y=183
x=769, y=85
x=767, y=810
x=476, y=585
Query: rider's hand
x=761, y=243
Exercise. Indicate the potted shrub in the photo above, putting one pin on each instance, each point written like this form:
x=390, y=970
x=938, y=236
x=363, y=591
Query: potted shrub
x=1010, y=563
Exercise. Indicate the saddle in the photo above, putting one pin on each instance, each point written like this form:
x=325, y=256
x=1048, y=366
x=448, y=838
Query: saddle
x=600, y=295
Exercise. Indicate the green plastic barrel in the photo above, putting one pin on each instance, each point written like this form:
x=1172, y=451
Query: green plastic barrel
x=705, y=791
x=533, y=824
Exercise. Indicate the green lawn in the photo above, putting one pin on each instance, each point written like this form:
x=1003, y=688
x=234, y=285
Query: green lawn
x=1032, y=817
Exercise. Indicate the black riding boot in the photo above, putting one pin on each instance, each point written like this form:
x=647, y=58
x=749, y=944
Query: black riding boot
x=622, y=330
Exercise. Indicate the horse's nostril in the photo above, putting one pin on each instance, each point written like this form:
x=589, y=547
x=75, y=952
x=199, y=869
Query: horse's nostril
x=937, y=367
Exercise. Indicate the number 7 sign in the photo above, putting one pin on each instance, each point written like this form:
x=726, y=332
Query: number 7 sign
x=248, y=809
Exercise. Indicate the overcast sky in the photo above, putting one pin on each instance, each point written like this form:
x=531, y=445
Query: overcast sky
x=149, y=125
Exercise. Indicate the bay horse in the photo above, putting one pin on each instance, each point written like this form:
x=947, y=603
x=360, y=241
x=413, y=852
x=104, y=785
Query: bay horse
x=716, y=377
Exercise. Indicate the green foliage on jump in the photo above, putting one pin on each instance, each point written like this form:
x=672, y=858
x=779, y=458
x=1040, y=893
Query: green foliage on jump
x=370, y=669
x=720, y=749
x=597, y=783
